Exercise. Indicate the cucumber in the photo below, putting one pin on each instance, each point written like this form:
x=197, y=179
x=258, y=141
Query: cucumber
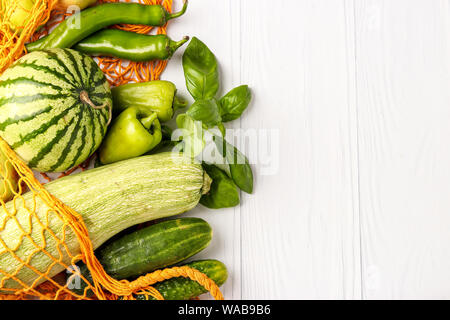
x=184, y=288
x=151, y=248
x=160, y=245
x=110, y=199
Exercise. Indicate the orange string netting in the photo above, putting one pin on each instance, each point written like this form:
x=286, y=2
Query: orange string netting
x=40, y=237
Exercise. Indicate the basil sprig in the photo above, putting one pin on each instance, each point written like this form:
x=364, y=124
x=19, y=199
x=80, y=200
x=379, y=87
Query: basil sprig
x=202, y=81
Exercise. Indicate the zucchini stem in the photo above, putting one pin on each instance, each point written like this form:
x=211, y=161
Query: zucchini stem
x=207, y=181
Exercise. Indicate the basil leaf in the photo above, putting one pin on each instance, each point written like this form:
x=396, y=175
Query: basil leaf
x=206, y=111
x=240, y=169
x=234, y=103
x=223, y=192
x=200, y=70
x=193, y=141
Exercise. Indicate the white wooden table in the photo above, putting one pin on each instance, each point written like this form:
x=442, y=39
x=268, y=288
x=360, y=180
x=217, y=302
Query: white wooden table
x=354, y=202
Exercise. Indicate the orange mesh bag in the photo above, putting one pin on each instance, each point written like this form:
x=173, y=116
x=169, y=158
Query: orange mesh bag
x=41, y=237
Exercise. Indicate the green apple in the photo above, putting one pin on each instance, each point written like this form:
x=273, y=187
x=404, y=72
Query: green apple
x=7, y=172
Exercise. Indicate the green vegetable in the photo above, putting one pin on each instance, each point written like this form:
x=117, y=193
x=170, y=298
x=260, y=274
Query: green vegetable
x=93, y=19
x=151, y=248
x=110, y=199
x=223, y=192
x=200, y=70
x=234, y=103
x=240, y=169
x=154, y=247
x=129, y=45
x=54, y=108
x=206, y=111
x=193, y=142
x=133, y=133
x=157, y=96
x=184, y=288
x=202, y=81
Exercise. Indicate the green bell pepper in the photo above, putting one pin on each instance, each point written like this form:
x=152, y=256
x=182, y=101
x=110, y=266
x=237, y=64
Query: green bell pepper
x=156, y=96
x=133, y=133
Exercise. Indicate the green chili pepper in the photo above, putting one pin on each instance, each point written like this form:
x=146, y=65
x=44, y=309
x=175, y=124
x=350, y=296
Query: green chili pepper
x=133, y=133
x=156, y=96
x=86, y=22
x=129, y=45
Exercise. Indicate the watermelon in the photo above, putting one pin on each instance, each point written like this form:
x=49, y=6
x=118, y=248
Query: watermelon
x=54, y=108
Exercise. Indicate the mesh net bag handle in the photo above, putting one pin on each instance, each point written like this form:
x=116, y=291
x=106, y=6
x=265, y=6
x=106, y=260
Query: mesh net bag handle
x=37, y=234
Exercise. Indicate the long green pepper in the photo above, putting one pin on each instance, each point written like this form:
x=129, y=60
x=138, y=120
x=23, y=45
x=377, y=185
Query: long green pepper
x=129, y=45
x=68, y=33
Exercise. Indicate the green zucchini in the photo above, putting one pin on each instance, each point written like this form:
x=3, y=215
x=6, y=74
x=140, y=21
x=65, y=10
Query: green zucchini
x=110, y=199
x=184, y=288
x=148, y=249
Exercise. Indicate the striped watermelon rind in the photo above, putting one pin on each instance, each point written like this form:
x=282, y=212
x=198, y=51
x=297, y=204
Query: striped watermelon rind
x=42, y=116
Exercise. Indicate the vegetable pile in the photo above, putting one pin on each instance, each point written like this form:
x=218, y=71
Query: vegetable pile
x=57, y=111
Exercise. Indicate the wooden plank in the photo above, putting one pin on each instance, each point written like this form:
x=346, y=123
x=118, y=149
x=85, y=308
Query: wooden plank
x=300, y=228
x=216, y=23
x=403, y=62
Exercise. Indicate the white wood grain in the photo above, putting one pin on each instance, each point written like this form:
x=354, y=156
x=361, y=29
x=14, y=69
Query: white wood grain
x=357, y=92
x=297, y=236
x=300, y=229
x=215, y=22
x=403, y=61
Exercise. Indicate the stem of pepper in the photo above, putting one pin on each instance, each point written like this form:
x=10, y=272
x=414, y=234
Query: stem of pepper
x=148, y=121
x=179, y=103
x=178, y=14
x=84, y=97
x=174, y=45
